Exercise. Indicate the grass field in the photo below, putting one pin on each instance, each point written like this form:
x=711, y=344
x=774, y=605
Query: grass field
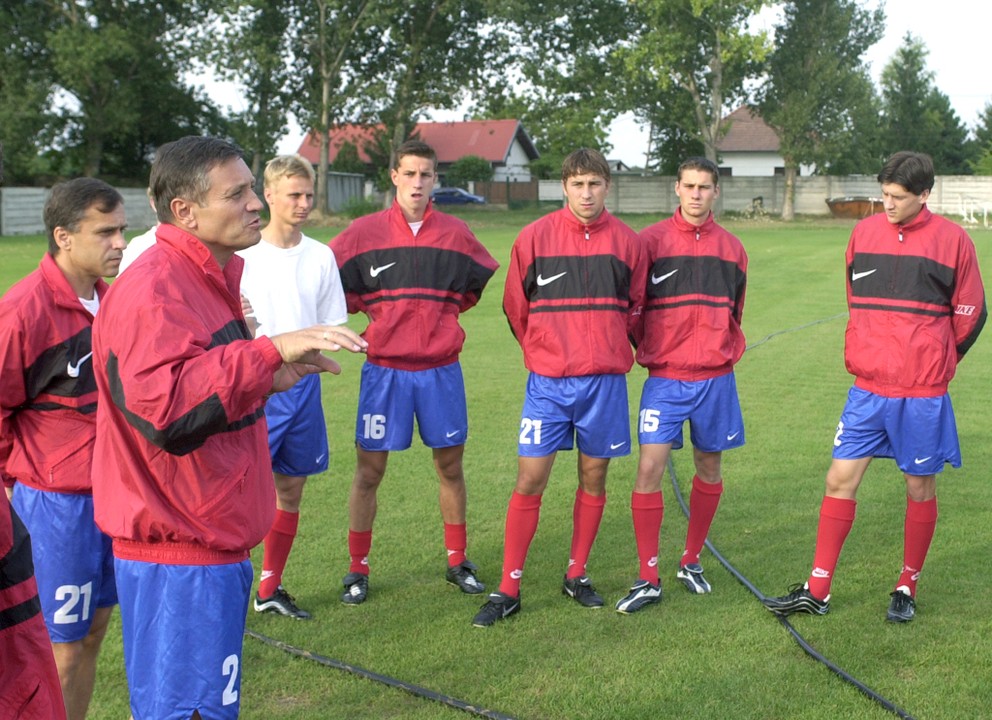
x=715, y=656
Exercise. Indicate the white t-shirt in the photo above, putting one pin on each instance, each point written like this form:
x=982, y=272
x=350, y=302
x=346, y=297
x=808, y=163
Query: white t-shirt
x=136, y=246
x=293, y=288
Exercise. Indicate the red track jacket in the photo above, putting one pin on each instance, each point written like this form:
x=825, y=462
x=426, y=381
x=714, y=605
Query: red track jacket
x=691, y=324
x=181, y=471
x=47, y=388
x=572, y=291
x=412, y=287
x=916, y=304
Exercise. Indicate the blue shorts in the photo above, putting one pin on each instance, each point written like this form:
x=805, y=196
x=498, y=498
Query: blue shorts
x=592, y=407
x=919, y=433
x=711, y=407
x=389, y=400
x=297, y=431
x=183, y=627
x=73, y=560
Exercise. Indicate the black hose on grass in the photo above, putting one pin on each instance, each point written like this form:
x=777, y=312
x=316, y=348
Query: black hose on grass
x=376, y=677
x=803, y=643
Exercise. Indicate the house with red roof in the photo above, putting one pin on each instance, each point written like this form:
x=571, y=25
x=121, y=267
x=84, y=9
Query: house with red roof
x=750, y=147
x=504, y=143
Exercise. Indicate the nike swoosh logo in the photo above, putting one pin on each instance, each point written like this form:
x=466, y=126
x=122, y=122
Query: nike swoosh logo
x=730, y=438
x=614, y=446
x=451, y=434
x=374, y=271
x=73, y=370
x=920, y=461
x=656, y=280
x=859, y=275
x=542, y=281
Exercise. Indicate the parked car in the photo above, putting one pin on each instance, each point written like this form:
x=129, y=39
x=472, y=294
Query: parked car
x=455, y=196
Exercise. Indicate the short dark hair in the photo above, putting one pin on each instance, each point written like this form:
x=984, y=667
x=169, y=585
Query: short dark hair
x=912, y=170
x=68, y=202
x=181, y=168
x=416, y=148
x=585, y=161
x=702, y=164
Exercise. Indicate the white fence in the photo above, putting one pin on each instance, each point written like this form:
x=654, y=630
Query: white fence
x=21, y=208
x=966, y=197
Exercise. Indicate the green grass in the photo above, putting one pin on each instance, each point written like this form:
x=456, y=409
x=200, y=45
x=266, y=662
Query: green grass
x=716, y=656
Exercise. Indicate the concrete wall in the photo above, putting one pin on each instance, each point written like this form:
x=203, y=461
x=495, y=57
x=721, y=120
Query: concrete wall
x=960, y=196
x=21, y=208
x=964, y=197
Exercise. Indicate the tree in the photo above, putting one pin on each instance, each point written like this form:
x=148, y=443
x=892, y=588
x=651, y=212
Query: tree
x=470, y=168
x=100, y=84
x=328, y=42
x=702, y=48
x=25, y=89
x=249, y=44
x=981, y=162
x=421, y=54
x=562, y=76
x=816, y=80
x=916, y=115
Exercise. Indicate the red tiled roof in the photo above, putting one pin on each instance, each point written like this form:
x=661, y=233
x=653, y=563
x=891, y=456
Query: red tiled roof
x=489, y=139
x=748, y=133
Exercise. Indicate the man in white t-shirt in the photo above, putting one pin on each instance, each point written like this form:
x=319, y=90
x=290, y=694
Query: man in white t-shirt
x=292, y=282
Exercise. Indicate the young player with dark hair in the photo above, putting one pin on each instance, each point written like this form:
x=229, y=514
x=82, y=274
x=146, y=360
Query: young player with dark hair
x=412, y=270
x=576, y=280
x=291, y=282
x=48, y=403
x=916, y=301
x=689, y=338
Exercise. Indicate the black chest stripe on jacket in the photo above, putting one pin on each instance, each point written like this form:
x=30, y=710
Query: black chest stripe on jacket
x=15, y=568
x=63, y=370
x=578, y=277
x=413, y=268
x=901, y=277
x=678, y=276
x=191, y=431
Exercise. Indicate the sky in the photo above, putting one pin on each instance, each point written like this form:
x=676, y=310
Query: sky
x=953, y=32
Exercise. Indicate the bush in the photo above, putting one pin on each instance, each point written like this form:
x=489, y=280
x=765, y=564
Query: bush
x=358, y=206
x=470, y=168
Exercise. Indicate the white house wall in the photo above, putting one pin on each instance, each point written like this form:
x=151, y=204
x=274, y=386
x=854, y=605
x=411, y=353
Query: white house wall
x=515, y=169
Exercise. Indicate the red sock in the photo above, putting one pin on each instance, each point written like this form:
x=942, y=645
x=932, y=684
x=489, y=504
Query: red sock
x=648, y=510
x=703, y=502
x=921, y=520
x=587, y=512
x=359, y=544
x=278, y=543
x=454, y=542
x=521, y=524
x=836, y=519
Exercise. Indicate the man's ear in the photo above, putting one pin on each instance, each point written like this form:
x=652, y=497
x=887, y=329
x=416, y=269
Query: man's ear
x=184, y=213
x=63, y=238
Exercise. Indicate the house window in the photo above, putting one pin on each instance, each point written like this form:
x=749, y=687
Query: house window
x=726, y=172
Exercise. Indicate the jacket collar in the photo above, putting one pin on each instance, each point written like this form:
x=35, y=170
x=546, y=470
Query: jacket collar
x=190, y=247
x=682, y=224
x=59, y=285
